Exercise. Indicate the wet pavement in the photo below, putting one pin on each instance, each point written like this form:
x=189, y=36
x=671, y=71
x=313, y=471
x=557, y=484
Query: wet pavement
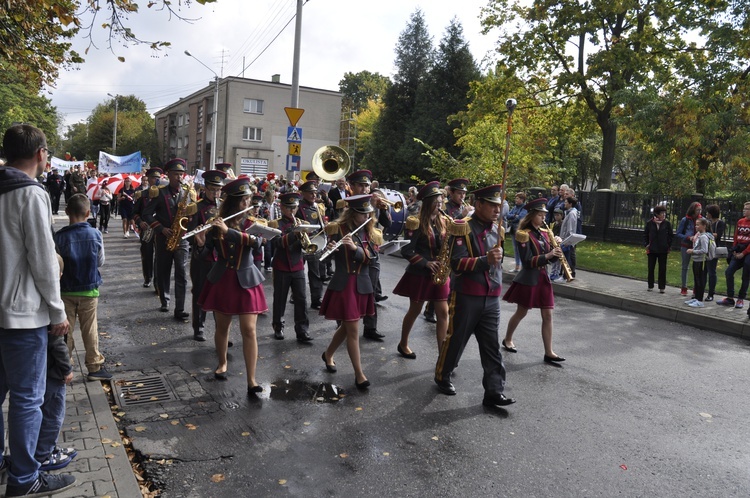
x=649, y=402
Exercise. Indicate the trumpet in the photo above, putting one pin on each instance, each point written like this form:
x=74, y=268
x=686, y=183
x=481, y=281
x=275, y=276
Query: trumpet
x=338, y=243
x=304, y=238
x=397, y=206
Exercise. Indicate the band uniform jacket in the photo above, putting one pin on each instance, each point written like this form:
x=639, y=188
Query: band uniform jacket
x=533, y=244
x=421, y=249
x=287, y=247
x=140, y=201
x=311, y=214
x=205, y=210
x=472, y=273
x=349, y=262
x=161, y=210
x=234, y=250
x=453, y=210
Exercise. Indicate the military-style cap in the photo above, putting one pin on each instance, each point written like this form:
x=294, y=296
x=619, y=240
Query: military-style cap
x=225, y=167
x=459, y=184
x=176, y=164
x=154, y=172
x=429, y=190
x=257, y=199
x=309, y=186
x=539, y=204
x=214, y=177
x=360, y=203
x=493, y=193
x=312, y=176
x=239, y=187
x=361, y=176
x=290, y=199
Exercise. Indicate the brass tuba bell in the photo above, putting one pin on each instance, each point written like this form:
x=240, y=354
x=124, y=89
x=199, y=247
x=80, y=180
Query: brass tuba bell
x=331, y=162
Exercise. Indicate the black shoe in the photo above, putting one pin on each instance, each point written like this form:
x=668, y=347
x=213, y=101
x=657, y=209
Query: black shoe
x=445, y=387
x=315, y=305
x=306, y=337
x=199, y=337
x=362, y=385
x=380, y=298
x=278, y=334
x=164, y=308
x=221, y=376
x=411, y=356
x=181, y=316
x=373, y=334
x=497, y=402
x=146, y=284
x=509, y=349
x=331, y=367
x=44, y=485
x=430, y=317
x=253, y=390
x=553, y=359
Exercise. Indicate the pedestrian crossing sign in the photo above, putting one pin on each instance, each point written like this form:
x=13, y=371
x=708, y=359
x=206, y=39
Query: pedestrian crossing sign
x=294, y=135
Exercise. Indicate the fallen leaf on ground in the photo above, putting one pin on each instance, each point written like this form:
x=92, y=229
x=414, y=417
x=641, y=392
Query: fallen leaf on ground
x=245, y=434
x=306, y=423
x=705, y=415
x=282, y=481
x=163, y=415
x=190, y=427
x=106, y=441
x=217, y=477
x=140, y=428
x=109, y=457
x=358, y=409
x=435, y=438
x=344, y=455
x=175, y=422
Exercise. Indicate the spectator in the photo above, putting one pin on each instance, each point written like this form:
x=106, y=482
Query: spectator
x=717, y=227
x=685, y=233
x=30, y=305
x=570, y=227
x=737, y=259
x=658, y=241
x=698, y=254
x=514, y=216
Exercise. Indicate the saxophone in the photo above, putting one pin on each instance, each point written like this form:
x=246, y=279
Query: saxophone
x=178, y=227
x=440, y=277
x=564, y=262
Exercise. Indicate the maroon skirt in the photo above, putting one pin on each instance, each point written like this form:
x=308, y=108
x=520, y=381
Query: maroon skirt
x=532, y=296
x=228, y=297
x=347, y=305
x=421, y=288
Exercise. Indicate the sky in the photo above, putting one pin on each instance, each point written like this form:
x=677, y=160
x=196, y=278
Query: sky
x=338, y=36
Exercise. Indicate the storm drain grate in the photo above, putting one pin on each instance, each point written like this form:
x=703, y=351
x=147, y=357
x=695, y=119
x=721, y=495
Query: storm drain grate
x=142, y=390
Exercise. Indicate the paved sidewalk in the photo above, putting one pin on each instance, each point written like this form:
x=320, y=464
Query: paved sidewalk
x=102, y=468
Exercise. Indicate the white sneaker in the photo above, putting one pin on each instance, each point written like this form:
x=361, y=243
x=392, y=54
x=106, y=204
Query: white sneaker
x=690, y=301
x=696, y=304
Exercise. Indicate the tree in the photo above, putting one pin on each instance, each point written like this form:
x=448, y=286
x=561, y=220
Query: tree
x=35, y=34
x=444, y=92
x=597, y=51
x=392, y=153
x=359, y=88
x=20, y=104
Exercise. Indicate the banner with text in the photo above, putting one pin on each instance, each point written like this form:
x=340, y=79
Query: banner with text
x=63, y=165
x=120, y=164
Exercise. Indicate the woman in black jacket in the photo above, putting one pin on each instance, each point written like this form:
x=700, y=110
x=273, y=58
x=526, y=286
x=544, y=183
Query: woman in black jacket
x=717, y=228
x=657, y=237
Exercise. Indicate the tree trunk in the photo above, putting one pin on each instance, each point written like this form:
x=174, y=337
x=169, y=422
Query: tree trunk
x=609, y=140
x=700, y=179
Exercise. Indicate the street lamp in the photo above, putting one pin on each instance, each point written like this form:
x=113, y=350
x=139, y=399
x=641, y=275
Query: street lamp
x=114, y=131
x=216, y=110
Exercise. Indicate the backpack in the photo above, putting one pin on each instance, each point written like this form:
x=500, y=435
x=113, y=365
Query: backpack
x=711, y=254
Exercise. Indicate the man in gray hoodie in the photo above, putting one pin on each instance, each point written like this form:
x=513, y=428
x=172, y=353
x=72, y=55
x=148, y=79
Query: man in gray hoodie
x=30, y=306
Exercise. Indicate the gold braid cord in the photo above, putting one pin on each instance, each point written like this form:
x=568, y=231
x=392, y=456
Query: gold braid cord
x=522, y=236
x=412, y=223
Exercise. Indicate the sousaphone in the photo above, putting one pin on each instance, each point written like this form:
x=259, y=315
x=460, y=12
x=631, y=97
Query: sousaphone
x=331, y=162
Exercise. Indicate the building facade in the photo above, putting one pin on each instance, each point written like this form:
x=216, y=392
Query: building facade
x=252, y=127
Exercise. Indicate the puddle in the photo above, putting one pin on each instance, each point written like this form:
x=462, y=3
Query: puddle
x=297, y=390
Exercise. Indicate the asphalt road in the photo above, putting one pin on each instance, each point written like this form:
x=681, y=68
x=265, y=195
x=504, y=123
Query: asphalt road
x=642, y=407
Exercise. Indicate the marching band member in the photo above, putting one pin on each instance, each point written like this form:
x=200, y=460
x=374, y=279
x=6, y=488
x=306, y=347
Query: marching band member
x=349, y=296
x=455, y=207
x=475, y=297
x=531, y=288
x=255, y=212
x=234, y=286
x=312, y=213
x=427, y=233
x=200, y=264
x=160, y=214
x=140, y=200
x=288, y=271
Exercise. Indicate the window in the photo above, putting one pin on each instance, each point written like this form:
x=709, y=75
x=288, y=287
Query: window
x=180, y=120
x=185, y=142
x=179, y=142
x=187, y=119
x=249, y=133
x=254, y=106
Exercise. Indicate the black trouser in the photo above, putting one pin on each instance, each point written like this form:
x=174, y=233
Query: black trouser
x=480, y=316
x=147, y=260
x=370, y=322
x=199, y=269
x=313, y=275
x=164, y=260
x=55, y=200
x=653, y=259
x=700, y=272
x=282, y=282
x=268, y=254
x=103, y=216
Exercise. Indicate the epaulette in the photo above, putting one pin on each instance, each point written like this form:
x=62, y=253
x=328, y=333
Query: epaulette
x=260, y=221
x=137, y=195
x=377, y=236
x=340, y=204
x=501, y=231
x=332, y=228
x=522, y=236
x=193, y=195
x=274, y=223
x=412, y=222
x=459, y=228
x=153, y=192
x=191, y=209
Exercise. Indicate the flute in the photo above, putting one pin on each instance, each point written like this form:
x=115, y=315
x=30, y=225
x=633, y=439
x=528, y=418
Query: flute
x=338, y=243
